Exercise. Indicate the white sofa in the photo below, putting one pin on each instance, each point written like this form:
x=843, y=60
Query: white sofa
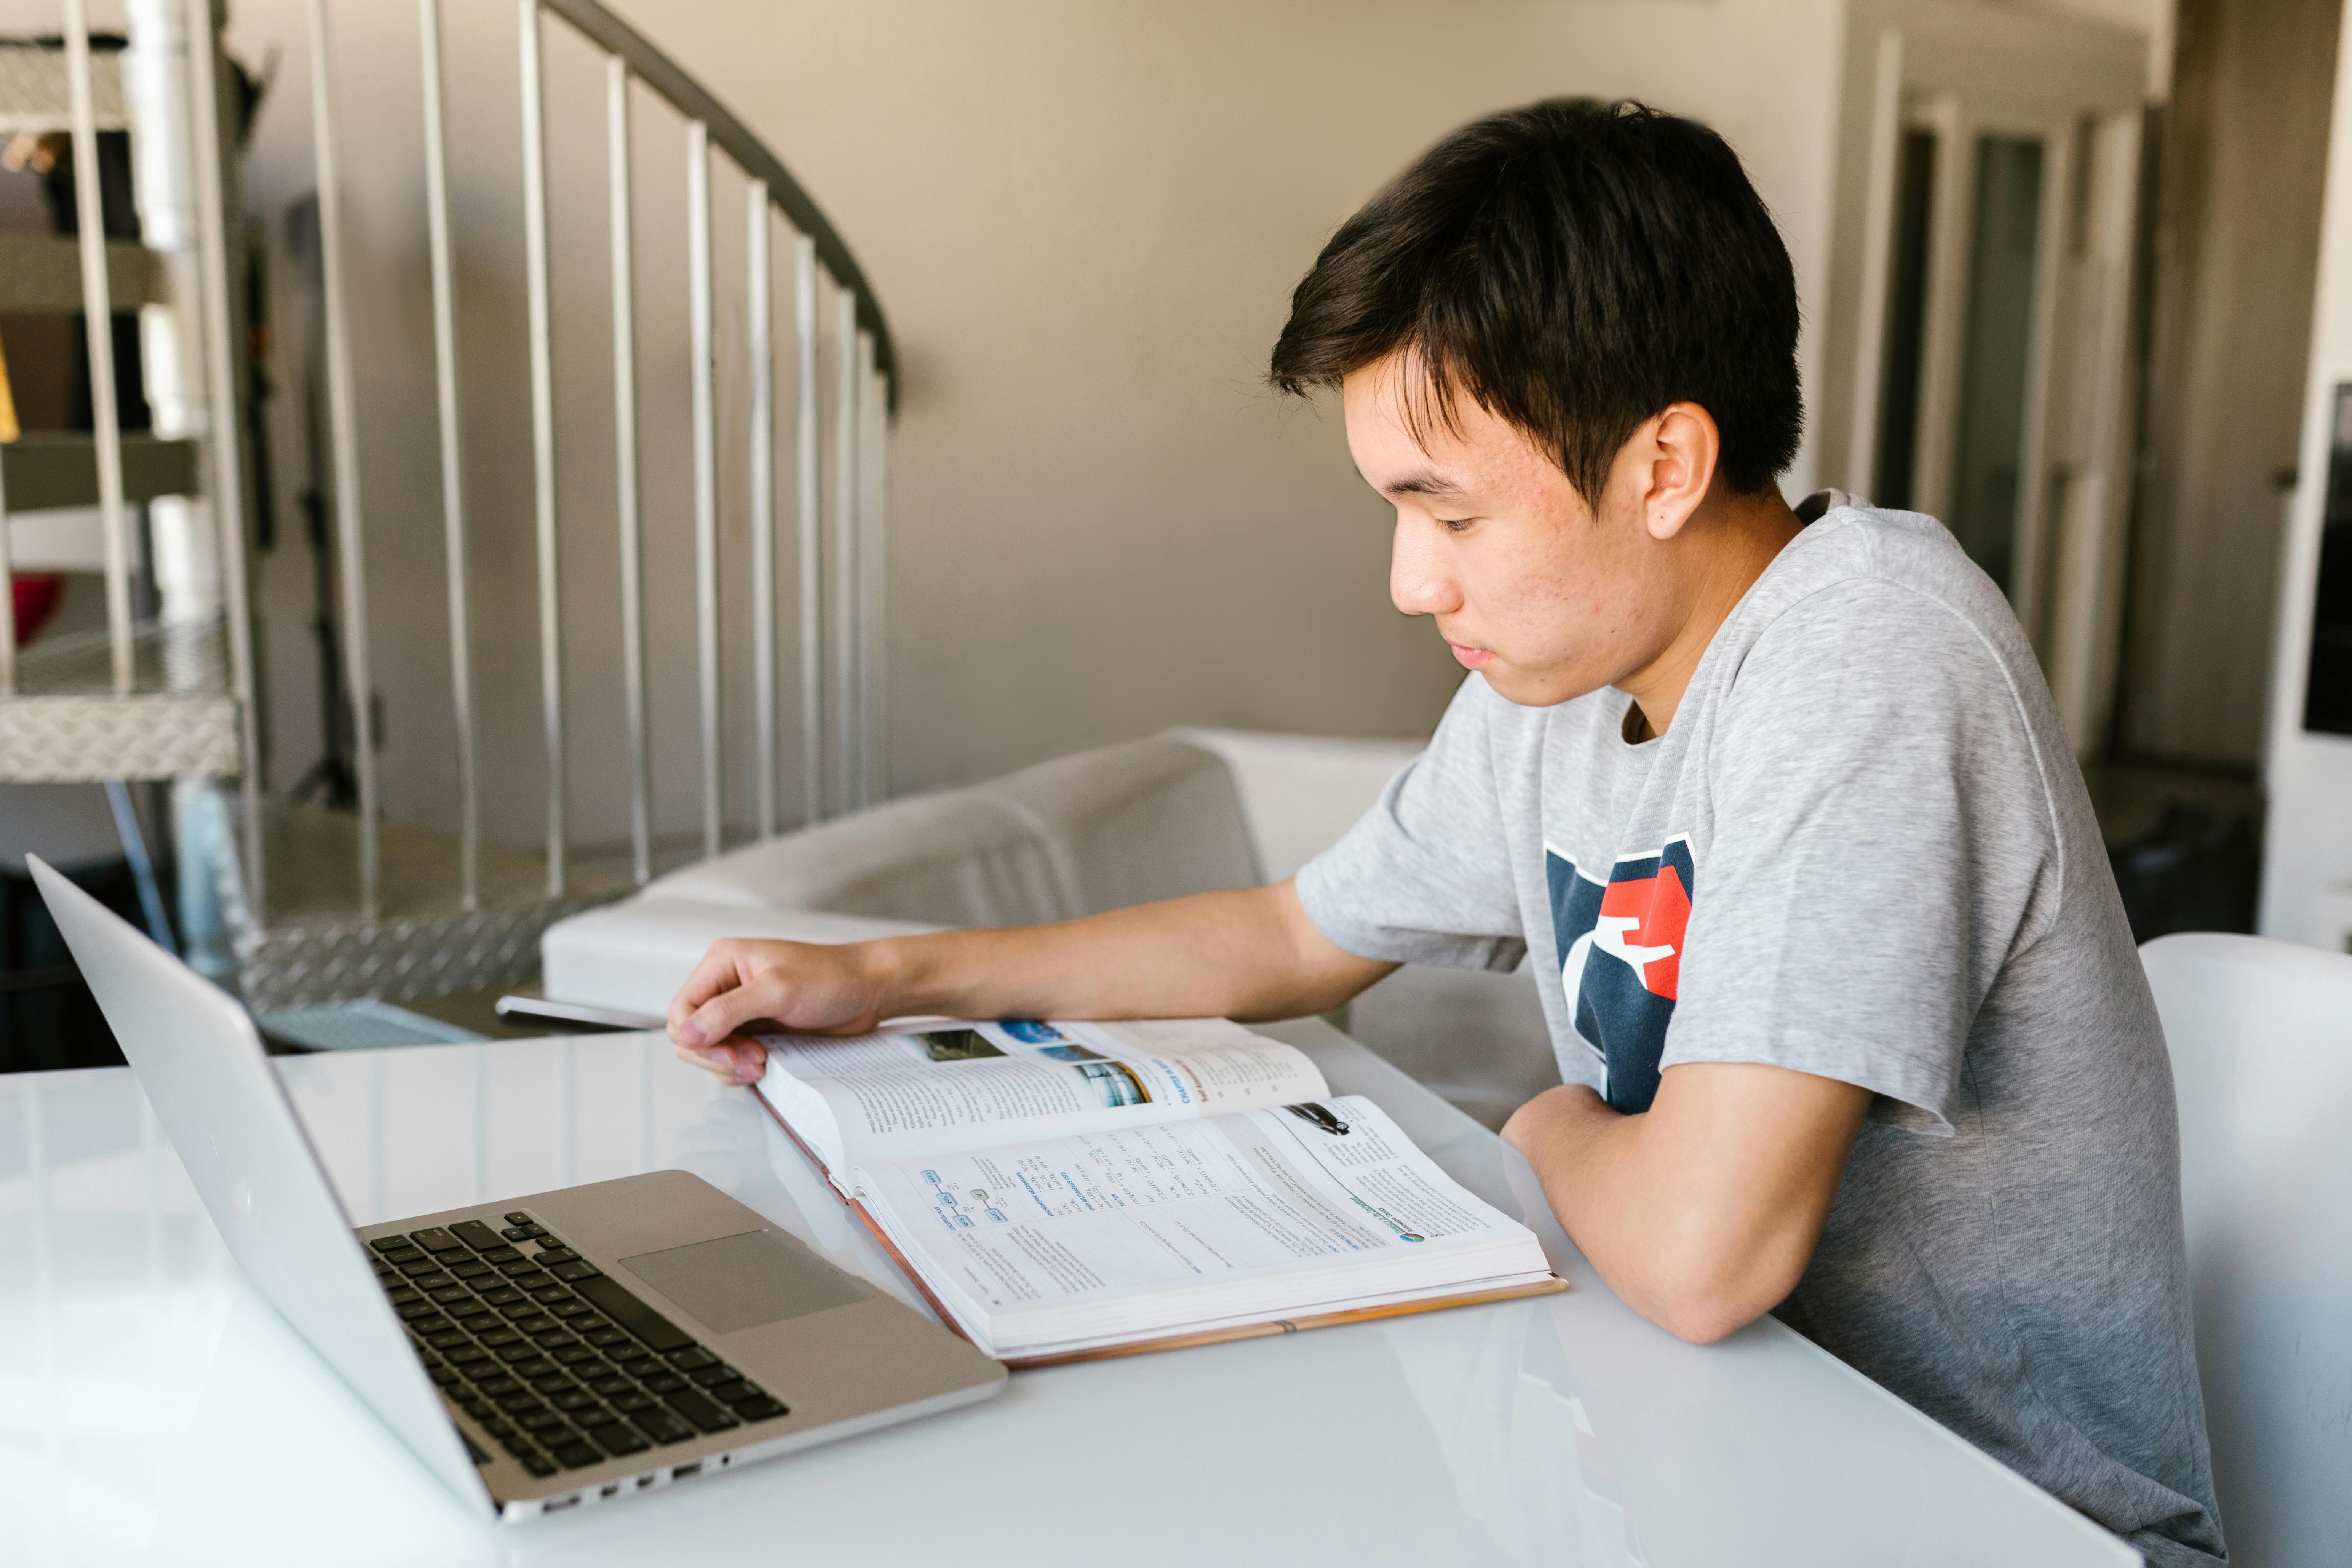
x=1181, y=813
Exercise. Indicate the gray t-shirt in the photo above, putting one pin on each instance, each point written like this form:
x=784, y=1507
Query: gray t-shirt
x=1863, y=850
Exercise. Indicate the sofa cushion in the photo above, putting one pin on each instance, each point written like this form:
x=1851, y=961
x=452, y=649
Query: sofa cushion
x=632, y=956
x=1101, y=830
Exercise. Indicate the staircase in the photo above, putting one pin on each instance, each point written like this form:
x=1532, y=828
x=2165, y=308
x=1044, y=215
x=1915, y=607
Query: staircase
x=296, y=904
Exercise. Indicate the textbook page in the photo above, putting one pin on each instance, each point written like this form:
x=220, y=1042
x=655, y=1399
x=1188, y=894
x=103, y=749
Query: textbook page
x=937, y=1087
x=1156, y=1229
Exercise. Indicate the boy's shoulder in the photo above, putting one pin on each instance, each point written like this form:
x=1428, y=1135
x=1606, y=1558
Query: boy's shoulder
x=1890, y=588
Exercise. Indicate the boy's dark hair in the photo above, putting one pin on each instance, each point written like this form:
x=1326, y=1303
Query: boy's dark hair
x=1574, y=266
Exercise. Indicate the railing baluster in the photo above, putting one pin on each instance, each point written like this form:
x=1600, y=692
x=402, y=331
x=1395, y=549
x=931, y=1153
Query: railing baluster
x=7, y=599
x=763, y=508
x=97, y=318
x=221, y=358
x=342, y=428
x=849, y=718
x=701, y=372
x=542, y=438
x=453, y=486
x=624, y=448
x=812, y=532
x=873, y=439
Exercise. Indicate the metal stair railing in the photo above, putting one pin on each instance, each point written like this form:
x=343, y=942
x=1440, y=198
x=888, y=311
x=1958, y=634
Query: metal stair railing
x=202, y=677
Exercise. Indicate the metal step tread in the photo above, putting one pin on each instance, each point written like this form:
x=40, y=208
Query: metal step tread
x=318, y=947
x=65, y=723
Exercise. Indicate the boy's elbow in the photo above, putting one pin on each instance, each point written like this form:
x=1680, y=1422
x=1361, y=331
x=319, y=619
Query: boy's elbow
x=1702, y=1302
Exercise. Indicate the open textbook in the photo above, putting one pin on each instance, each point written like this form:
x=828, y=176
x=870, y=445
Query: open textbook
x=1062, y=1191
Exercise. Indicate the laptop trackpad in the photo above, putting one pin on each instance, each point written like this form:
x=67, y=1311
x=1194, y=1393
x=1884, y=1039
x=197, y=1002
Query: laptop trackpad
x=742, y=1281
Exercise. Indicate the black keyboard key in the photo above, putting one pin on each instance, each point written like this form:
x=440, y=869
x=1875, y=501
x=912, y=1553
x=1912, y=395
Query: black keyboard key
x=501, y=1253
x=511, y=1266
x=732, y=1393
x=475, y=1235
x=705, y=1377
x=503, y=1295
x=603, y=1337
x=519, y=1217
x=519, y=1404
x=546, y=1295
x=576, y=1269
x=450, y=1295
x=612, y=1384
x=617, y=1437
x=515, y=1233
x=543, y=1421
x=522, y=1350
x=537, y=1323
x=422, y=1263
x=474, y=1269
x=474, y=1450
x=417, y=1310
x=533, y=1280
x=578, y=1399
x=433, y=1238
x=446, y=1377
x=691, y=1357
x=665, y=1382
x=660, y=1426
x=640, y=1365
x=468, y=1354
x=532, y=1366
x=760, y=1409
x=446, y=1340
x=538, y=1464
x=538, y=1230
x=498, y=1339
x=480, y=1322
x=705, y=1415
x=389, y=1243
x=609, y=1298
x=402, y=1295
x=630, y=1404
x=552, y=1382
x=570, y=1307
x=498, y=1387
x=402, y=1255
x=572, y=1354
x=575, y=1456
x=431, y=1279
x=526, y=1308
x=549, y=1256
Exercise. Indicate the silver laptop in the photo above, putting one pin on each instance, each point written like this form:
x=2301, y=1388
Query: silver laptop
x=540, y=1352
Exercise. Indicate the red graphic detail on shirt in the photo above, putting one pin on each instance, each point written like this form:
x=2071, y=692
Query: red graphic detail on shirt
x=1647, y=917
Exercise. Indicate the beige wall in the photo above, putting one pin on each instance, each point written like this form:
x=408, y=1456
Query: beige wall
x=1085, y=222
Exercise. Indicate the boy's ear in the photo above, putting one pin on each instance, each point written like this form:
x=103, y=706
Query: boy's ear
x=1679, y=449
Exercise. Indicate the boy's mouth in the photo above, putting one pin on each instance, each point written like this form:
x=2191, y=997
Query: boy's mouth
x=1471, y=658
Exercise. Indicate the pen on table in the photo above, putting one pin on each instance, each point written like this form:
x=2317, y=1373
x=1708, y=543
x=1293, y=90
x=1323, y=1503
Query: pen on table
x=1320, y=1116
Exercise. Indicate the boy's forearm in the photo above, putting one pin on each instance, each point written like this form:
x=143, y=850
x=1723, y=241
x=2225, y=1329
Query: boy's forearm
x=1247, y=954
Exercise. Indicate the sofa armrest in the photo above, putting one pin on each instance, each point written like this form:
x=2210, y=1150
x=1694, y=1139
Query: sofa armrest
x=632, y=956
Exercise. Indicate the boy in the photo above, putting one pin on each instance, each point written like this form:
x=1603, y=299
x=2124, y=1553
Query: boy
x=1850, y=1023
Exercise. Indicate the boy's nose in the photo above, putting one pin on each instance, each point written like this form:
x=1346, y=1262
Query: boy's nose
x=1419, y=581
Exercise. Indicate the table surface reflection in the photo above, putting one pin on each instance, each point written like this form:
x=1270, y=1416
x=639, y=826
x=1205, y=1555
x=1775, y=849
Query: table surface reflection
x=152, y=1408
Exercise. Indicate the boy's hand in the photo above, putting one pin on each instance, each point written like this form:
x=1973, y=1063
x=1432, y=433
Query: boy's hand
x=804, y=988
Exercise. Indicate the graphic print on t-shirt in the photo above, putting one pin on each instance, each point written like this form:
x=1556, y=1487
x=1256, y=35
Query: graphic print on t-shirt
x=1621, y=947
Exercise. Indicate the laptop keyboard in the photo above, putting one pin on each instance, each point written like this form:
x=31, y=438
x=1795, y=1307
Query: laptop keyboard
x=559, y=1363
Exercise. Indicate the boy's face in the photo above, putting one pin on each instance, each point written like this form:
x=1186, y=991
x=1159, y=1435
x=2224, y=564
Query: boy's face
x=1545, y=596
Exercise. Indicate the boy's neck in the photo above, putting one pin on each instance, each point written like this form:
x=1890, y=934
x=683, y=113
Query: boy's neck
x=1728, y=542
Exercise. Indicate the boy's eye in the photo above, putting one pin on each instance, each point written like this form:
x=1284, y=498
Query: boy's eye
x=1455, y=524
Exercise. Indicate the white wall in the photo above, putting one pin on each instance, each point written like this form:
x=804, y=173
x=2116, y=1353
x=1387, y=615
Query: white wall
x=2308, y=835
x=1085, y=222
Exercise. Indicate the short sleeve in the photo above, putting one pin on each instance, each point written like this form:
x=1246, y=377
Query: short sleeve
x=1884, y=839
x=1425, y=876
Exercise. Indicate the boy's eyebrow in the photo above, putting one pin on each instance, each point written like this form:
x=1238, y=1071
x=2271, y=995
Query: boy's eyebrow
x=1420, y=482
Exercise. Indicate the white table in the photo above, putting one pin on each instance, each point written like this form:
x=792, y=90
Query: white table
x=154, y=1409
